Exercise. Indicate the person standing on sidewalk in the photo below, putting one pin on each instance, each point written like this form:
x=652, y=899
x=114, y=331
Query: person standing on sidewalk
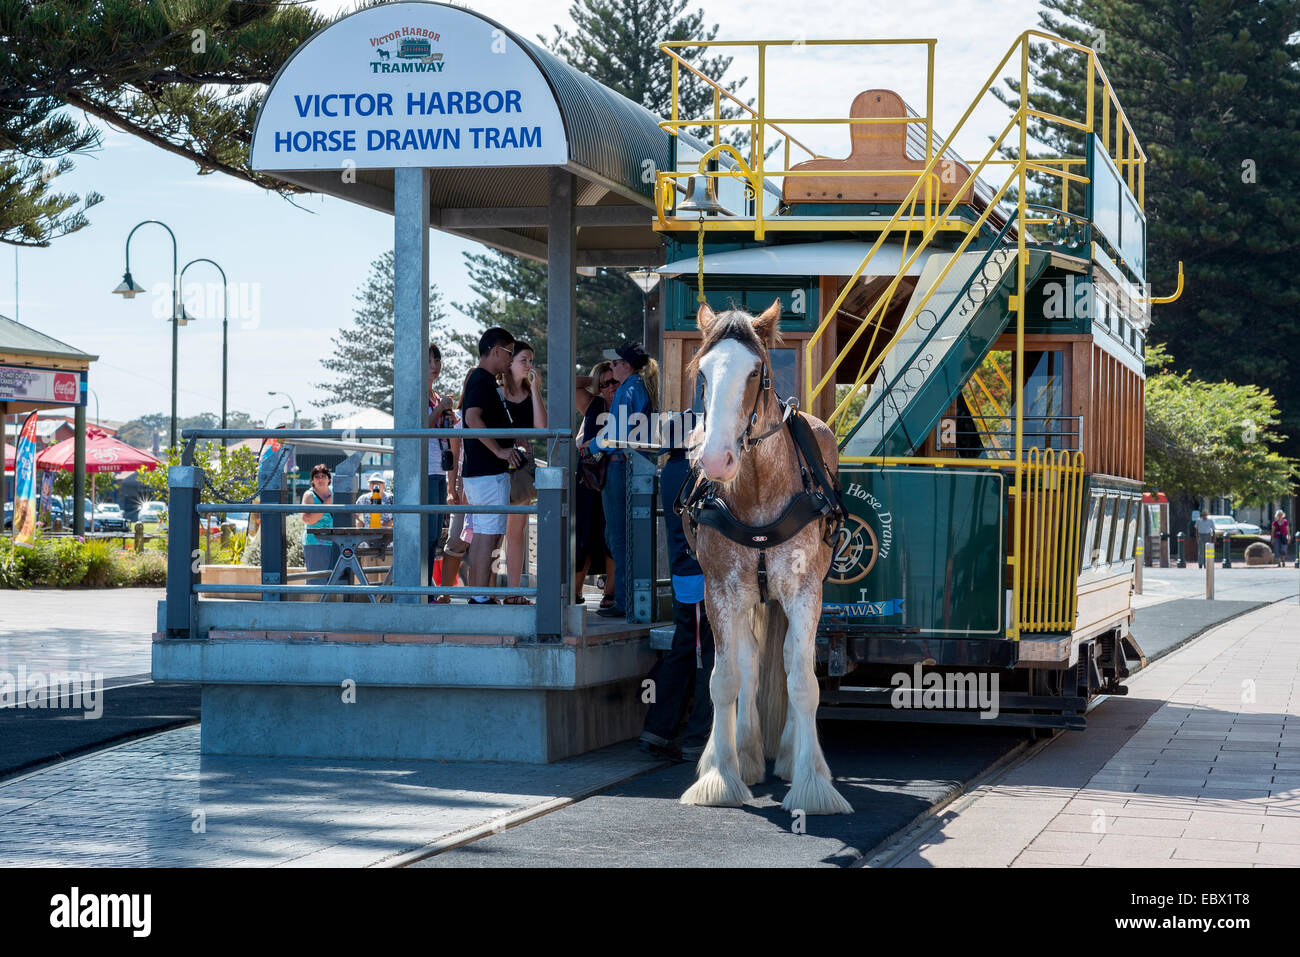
x=1204, y=534
x=485, y=474
x=688, y=665
x=1281, y=534
x=441, y=416
x=636, y=398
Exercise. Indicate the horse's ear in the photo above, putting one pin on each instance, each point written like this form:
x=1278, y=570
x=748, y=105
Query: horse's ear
x=705, y=317
x=766, y=325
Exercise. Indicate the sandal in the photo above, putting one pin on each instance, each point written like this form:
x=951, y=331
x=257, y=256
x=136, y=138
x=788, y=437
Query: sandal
x=442, y=600
x=607, y=601
x=517, y=600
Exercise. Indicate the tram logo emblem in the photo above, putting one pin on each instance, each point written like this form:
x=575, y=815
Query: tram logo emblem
x=855, y=554
x=858, y=546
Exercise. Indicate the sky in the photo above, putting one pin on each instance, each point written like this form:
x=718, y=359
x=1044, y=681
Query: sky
x=294, y=269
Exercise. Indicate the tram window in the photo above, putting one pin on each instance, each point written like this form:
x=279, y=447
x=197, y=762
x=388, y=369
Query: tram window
x=1101, y=552
x=1091, y=529
x=784, y=379
x=1119, y=550
x=1044, y=399
x=1134, y=511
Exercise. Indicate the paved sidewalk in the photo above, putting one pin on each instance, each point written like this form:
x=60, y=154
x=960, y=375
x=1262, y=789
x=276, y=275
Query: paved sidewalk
x=156, y=802
x=1199, y=766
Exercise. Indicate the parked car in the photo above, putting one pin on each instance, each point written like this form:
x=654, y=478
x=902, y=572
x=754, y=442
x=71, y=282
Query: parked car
x=107, y=517
x=1227, y=525
x=151, y=512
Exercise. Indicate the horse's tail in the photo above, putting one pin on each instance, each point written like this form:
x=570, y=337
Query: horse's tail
x=771, y=626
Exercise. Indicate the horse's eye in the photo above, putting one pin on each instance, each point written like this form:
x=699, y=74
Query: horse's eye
x=753, y=374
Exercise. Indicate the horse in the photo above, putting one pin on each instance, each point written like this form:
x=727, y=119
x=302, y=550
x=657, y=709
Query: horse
x=384, y=54
x=764, y=686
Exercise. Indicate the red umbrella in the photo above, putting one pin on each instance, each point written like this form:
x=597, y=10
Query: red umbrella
x=103, y=454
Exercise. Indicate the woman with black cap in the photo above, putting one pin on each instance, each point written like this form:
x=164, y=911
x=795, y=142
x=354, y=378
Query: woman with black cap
x=637, y=397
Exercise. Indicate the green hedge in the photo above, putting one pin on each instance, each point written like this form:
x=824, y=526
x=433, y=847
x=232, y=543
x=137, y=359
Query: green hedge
x=67, y=562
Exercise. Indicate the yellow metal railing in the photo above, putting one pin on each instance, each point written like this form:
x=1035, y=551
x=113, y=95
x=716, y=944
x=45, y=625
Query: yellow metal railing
x=1040, y=596
x=1052, y=484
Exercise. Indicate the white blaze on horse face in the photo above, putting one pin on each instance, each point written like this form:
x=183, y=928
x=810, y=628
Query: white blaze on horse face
x=727, y=369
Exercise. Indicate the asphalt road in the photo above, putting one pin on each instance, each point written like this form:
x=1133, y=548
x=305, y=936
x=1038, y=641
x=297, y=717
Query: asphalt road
x=33, y=737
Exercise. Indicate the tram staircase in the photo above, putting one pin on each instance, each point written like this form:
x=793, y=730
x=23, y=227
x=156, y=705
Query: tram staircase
x=930, y=360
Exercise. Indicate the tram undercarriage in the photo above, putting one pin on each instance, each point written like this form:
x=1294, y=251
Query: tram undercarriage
x=883, y=673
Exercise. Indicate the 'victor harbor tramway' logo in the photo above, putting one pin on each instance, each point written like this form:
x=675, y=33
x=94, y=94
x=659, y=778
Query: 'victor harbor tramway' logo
x=414, y=54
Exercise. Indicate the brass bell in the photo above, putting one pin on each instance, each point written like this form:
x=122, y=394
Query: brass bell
x=702, y=197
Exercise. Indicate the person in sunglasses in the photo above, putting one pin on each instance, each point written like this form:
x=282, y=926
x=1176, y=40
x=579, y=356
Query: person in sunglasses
x=485, y=474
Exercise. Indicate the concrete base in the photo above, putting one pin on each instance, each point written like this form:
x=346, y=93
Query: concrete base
x=440, y=724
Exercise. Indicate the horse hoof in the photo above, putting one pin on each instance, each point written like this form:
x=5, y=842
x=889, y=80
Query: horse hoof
x=815, y=795
x=753, y=770
x=783, y=769
x=713, y=789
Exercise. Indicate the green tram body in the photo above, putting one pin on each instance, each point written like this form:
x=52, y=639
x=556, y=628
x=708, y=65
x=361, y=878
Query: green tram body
x=921, y=584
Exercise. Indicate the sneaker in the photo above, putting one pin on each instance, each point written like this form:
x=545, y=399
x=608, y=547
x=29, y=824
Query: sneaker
x=612, y=612
x=485, y=601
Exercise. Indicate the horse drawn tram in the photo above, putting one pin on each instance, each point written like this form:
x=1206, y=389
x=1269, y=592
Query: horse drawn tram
x=973, y=332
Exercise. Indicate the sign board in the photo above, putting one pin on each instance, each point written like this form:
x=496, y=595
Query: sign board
x=921, y=548
x=1115, y=211
x=55, y=386
x=409, y=84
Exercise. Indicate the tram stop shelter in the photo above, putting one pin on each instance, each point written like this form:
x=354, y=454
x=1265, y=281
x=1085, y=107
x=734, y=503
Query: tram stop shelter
x=447, y=120
x=38, y=372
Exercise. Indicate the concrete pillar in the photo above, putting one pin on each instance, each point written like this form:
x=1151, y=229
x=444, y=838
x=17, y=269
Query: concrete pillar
x=554, y=528
x=184, y=484
x=410, y=373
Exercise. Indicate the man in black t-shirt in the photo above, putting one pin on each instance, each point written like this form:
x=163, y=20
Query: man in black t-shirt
x=485, y=473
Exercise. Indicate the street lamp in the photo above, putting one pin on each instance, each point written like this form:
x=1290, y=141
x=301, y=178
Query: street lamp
x=266, y=419
x=646, y=280
x=129, y=289
x=225, y=319
x=291, y=403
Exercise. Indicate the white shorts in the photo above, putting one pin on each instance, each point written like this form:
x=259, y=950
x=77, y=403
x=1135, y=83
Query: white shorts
x=488, y=490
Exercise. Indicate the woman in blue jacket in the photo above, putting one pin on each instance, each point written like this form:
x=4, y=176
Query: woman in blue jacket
x=630, y=411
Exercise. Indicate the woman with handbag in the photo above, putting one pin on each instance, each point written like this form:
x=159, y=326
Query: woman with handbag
x=521, y=390
x=589, y=523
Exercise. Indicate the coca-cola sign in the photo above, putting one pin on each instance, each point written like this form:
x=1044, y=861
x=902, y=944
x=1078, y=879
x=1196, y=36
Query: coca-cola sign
x=66, y=387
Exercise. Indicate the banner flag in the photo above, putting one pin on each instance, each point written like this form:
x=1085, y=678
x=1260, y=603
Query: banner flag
x=25, y=484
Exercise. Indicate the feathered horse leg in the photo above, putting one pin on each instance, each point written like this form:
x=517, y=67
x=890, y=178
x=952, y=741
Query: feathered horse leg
x=811, y=788
x=718, y=781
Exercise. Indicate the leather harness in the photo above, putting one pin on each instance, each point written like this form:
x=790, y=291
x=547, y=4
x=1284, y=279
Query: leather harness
x=818, y=501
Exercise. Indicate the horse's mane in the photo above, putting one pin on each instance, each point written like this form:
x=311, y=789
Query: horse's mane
x=732, y=324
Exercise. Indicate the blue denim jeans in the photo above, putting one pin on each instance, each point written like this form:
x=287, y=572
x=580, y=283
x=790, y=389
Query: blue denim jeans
x=613, y=498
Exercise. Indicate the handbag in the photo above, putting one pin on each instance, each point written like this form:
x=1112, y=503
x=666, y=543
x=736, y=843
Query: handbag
x=592, y=470
x=523, y=480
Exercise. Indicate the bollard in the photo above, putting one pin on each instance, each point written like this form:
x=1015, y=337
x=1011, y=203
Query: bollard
x=1138, y=555
x=139, y=537
x=1182, y=542
x=1209, y=569
x=1227, y=552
